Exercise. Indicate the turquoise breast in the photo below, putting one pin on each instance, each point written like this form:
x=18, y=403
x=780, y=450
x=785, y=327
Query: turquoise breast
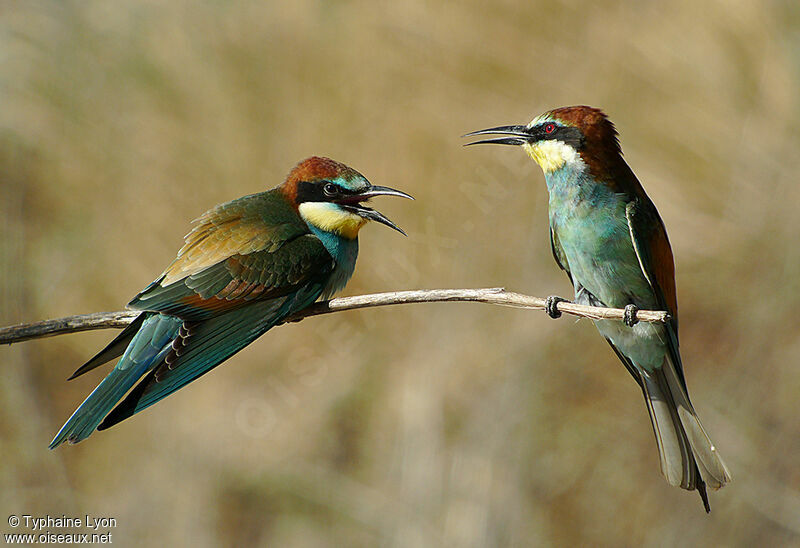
x=344, y=253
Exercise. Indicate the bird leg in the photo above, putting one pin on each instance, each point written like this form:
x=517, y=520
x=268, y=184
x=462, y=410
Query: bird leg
x=630, y=318
x=551, y=306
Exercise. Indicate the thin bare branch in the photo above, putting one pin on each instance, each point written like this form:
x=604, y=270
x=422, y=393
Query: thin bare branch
x=493, y=295
x=69, y=324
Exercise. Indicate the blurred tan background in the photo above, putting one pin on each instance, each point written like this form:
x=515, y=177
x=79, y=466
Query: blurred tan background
x=428, y=425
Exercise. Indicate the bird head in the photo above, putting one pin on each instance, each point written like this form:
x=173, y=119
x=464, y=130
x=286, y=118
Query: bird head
x=578, y=137
x=330, y=196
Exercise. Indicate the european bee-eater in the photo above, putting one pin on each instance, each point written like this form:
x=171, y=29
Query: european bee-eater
x=608, y=237
x=245, y=267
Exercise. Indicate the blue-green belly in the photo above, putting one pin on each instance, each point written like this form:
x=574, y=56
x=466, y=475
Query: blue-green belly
x=595, y=239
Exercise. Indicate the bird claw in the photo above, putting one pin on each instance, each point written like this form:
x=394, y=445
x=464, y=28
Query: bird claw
x=551, y=306
x=629, y=317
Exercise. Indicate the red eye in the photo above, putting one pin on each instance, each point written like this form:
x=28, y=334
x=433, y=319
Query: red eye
x=549, y=128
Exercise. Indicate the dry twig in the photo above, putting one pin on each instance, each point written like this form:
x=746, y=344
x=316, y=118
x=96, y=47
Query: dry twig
x=494, y=295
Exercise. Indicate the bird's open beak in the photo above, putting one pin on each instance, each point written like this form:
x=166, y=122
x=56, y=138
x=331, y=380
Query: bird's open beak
x=515, y=135
x=354, y=204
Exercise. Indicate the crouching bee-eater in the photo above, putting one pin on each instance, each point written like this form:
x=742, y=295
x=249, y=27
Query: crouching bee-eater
x=608, y=237
x=245, y=267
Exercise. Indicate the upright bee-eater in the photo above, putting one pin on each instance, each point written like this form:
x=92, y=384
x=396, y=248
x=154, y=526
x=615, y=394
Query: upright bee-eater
x=608, y=237
x=245, y=267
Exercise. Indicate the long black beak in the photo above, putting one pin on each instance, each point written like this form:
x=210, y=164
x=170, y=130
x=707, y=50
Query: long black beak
x=519, y=135
x=383, y=191
x=354, y=205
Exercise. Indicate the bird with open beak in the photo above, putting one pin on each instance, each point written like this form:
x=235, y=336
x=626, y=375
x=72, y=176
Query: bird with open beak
x=608, y=237
x=245, y=267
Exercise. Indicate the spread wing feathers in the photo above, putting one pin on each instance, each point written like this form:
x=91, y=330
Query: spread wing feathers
x=149, y=345
x=238, y=280
x=650, y=242
x=202, y=346
x=115, y=348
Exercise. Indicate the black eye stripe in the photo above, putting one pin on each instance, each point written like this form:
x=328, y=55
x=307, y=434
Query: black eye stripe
x=308, y=191
x=567, y=134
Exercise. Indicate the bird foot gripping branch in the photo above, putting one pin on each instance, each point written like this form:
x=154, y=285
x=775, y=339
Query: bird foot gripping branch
x=551, y=306
x=630, y=315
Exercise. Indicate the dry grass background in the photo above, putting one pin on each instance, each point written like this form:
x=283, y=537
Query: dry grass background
x=428, y=425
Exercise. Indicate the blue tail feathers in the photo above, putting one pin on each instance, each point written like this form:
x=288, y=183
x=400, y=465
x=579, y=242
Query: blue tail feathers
x=145, y=350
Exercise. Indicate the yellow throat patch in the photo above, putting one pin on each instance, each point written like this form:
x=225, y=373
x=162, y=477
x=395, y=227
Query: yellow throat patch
x=330, y=218
x=551, y=155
